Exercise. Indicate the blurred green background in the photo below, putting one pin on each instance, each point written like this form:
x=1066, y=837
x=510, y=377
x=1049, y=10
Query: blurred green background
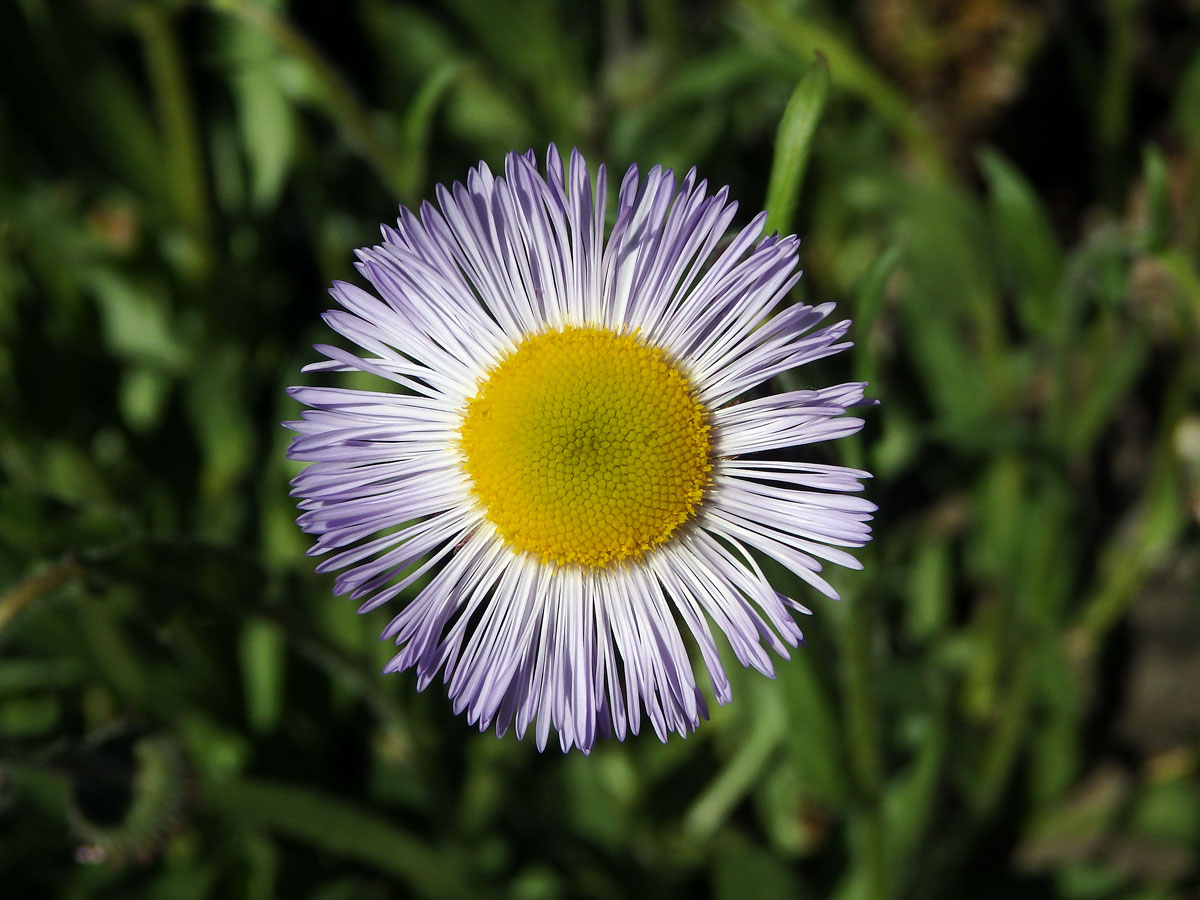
x=1004, y=195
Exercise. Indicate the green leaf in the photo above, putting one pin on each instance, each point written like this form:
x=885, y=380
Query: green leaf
x=418, y=120
x=118, y=120
x=930, y=589
x=953, y=328
x=1089, y=880
x=141, y=397
x=1169, y=813
x=801, y=35
x=814, y=738
x=261, y=650
x=27, y=716
x=871, y=290
x=910, y=799
x=1029, y=252
x=793, y=145
x=1157, y=235
x=135, y=322
x=20, y=676
x=1186, y=112
x=262, y=867
x=693, y=87
x=342, y=829
x=267, y=123
x=216, y=405
x=485, y=112
x=1055, y=746
x=748, y=872
x=111, y=652
x=1119, y=361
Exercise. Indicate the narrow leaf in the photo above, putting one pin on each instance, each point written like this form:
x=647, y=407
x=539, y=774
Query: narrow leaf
x=793, y=144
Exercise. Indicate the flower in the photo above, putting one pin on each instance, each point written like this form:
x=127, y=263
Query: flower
x=570, y=455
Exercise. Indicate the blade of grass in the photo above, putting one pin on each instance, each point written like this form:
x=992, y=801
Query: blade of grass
x=1029, y=251
x=418, y=119
x=793, y=144
x=186, y=183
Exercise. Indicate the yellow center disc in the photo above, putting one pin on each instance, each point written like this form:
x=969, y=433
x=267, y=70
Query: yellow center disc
x=586, y=447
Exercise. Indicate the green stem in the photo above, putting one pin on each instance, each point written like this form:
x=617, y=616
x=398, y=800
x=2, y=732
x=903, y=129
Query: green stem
x=185, y=166
x=862, y=737
x=717, y=801
x=329, y=824
x=1002, y=746
x=1134, y=551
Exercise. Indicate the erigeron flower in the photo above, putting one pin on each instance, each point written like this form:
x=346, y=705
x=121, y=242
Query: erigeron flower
x=577, y=447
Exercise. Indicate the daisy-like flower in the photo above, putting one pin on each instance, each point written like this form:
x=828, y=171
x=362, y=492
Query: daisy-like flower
x=570, y=453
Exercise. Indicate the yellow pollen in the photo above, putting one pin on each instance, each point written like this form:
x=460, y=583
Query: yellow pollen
x=586, y=447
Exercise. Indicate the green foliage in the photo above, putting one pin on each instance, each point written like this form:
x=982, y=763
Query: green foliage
x=1002, y=705
x=793, y=144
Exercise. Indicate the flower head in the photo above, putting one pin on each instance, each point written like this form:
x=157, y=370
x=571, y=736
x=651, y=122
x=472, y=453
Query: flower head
x=570, y=451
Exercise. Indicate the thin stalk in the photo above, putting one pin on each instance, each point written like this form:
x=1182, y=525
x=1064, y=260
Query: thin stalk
x=1001, y=753
x=1152, y=531
x=862, y=738
x=186, y=184
x=716, y=802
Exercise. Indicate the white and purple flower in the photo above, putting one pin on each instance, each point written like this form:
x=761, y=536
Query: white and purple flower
x=568, y=452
